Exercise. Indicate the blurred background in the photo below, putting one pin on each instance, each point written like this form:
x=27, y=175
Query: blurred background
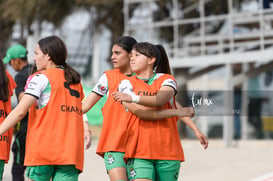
x=220, y=51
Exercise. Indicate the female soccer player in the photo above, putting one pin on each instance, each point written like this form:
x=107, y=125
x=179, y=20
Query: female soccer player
x=55, y=139
x=112, y=141
x=7, y=84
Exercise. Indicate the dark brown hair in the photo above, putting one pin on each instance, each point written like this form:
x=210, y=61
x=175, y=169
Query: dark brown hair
x=56, y=49
x=126, y=42
x=4, y=82
x=161, y=64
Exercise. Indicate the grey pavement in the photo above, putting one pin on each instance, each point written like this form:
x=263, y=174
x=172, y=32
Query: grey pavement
x=249, y=160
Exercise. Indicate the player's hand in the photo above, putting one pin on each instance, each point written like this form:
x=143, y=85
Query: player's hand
x=87, y=138
x=122, y=97
x=186, y=112
x=202, y=138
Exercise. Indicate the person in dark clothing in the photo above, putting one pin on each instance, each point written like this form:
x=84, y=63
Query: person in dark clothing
x=237, y=92
x=16, y=57
x=255, y=104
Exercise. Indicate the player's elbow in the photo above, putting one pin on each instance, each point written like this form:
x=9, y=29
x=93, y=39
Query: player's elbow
x=19, y=114
x=160, y=103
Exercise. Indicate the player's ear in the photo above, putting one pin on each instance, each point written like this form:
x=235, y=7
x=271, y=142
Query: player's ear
x=151, y=60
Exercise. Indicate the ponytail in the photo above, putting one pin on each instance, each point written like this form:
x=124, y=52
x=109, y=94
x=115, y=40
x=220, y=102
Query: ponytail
x=162, y=62
x=71, y=75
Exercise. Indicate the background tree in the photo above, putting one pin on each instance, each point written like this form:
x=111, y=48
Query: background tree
x=26, y=12
x=6, y=24
x=109, y=14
